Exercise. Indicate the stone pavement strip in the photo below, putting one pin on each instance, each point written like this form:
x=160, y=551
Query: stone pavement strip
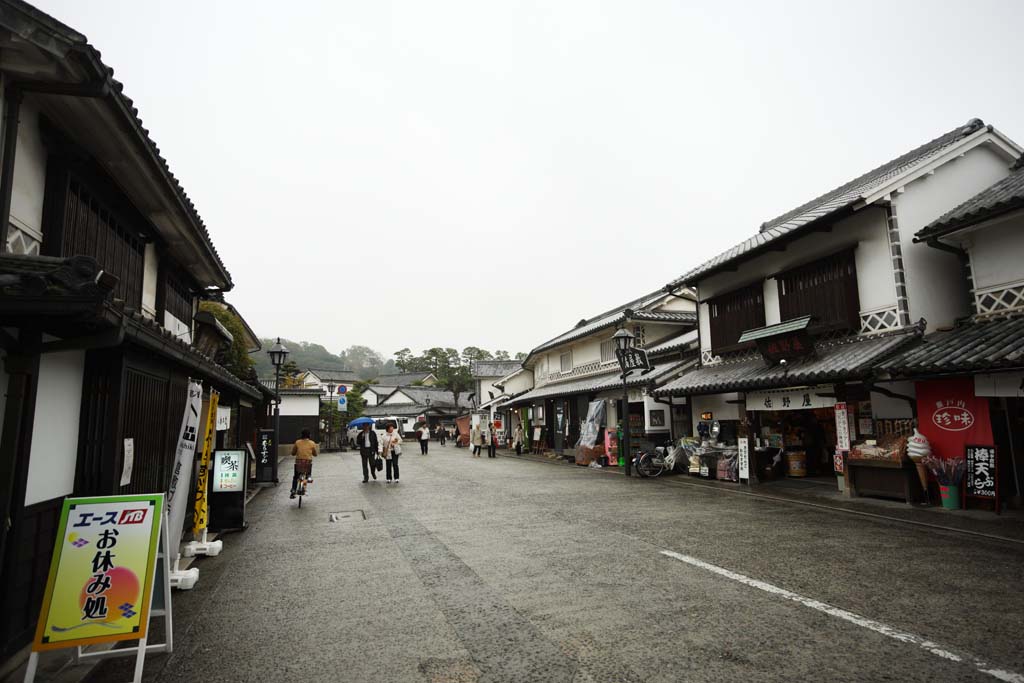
x=511, y=570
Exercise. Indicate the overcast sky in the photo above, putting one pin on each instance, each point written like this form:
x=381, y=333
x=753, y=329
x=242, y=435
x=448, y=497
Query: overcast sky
x=487, y=173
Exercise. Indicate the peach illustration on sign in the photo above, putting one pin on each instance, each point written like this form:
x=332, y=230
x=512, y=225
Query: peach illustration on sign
x=122, y=596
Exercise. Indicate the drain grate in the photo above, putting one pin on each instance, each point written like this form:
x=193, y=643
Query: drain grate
x=346, y=516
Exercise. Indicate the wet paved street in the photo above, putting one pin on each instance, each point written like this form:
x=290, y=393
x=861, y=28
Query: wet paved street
x=510, y=570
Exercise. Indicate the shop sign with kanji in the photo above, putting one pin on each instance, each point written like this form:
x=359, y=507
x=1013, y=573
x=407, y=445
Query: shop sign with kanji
x=982, y=471
x=798, y=398
x=101, y=574
x=632, y=359
x=790, y=346
x=952, y=415
x=228, y=471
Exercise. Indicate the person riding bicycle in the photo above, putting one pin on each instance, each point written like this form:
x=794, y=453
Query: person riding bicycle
x=304, y=450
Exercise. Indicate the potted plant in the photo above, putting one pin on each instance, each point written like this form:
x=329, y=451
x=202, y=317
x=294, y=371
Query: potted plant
x=949, y=472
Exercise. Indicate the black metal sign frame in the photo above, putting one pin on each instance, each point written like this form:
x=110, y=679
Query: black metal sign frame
x=266, y=454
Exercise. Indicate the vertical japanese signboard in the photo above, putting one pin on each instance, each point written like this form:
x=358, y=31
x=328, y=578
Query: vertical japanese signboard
x=184, y=454
x=202, y=513
x=842, y=427
x=265, y=454
x=982, y=476
x=101, y=576
x=743, y=459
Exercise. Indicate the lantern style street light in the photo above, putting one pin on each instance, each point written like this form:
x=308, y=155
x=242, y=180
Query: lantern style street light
x=623, y=340
x=278, y=354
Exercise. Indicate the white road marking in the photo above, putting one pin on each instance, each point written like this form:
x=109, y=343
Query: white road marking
x=864, y=622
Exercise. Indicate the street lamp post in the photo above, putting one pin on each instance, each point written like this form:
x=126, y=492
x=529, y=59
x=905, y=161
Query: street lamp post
x=623, y=340
x=278, y=353
x=330, y=425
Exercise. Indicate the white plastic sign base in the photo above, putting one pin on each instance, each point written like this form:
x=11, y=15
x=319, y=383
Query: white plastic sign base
x=210, y=549
x=185, y=580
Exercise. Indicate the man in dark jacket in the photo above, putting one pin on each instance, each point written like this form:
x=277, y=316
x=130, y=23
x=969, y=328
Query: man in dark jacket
x=366, y=440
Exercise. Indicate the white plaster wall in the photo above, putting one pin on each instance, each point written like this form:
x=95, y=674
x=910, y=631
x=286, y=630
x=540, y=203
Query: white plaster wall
x=876, y=286
x=300, y=405
x=935, y=285
x=676, y=305
x=996, y=253
x=649, y=405
x=370, y=398
x=54, y=451
x=772, y=314
x=178, y=328
x=398, y=397
x=704, y=325
x=149, y=278
x=486, y=384
x=716, y=404
x=884, y=407
x=521, y=382
x=29, y=173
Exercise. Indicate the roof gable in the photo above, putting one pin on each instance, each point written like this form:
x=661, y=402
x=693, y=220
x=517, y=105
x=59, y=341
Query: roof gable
x=848, y=197
x=1005, y=196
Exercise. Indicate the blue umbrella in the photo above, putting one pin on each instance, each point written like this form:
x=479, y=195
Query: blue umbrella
x=360, y=421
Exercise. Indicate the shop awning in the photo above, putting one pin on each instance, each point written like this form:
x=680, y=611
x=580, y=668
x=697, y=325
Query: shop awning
x=855, y=358
x=495, y=402
x=603, y=382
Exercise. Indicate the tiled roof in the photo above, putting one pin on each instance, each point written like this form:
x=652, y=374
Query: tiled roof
x=494, y=368
x=1004, y=196
x=977, y=345
x=674, y=343
x=831, y=203
x=79, y=43
x=848, y=359
x=402, y=379
x=615, y=316
x=438, y=397
x=412, y=410
x=602, y=382
x=335, y=375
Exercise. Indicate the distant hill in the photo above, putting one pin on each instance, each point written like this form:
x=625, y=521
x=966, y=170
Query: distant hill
x=366, y=362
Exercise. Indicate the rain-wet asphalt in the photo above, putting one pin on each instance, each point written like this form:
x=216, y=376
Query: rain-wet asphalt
x=512, y=570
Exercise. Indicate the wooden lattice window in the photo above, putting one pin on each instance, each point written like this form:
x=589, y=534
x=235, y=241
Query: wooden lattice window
x=825, y=289
x=91, y=228
x=732, y=314
x=178, y=298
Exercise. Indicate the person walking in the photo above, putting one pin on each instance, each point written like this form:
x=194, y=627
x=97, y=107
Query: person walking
x=303, y=450
x=492, y=441
x=424, y=433
x=476, y=440
x=517, y=439
x=366, y=440
x=391, y=448
x=442, y=434
x=456, y=436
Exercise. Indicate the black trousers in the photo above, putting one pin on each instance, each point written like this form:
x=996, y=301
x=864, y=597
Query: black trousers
x=423, y=446
x=492, y=450
x=444, y=437
x=295, y=476
x=391, y=464
x=476, y=450
x=368, y=456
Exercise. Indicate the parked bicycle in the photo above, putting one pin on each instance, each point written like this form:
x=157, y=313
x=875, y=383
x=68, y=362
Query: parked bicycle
x=654, y=463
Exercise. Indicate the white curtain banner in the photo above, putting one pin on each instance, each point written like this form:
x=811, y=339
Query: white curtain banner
x=184, y=455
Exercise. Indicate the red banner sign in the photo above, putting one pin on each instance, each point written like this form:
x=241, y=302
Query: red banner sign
x=951, y=416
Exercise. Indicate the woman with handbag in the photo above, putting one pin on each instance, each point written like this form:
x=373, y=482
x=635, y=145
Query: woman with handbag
x=391, y=448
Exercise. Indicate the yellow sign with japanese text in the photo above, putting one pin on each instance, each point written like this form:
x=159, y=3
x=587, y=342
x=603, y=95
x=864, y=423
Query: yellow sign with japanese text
x=202, y=513
x=101, y=576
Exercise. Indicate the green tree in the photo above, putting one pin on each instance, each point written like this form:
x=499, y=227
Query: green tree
x=520, y=356
x=501, y=355
x=290, y=372
x=456, y=380
x=472, y=353
x=237, y=359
